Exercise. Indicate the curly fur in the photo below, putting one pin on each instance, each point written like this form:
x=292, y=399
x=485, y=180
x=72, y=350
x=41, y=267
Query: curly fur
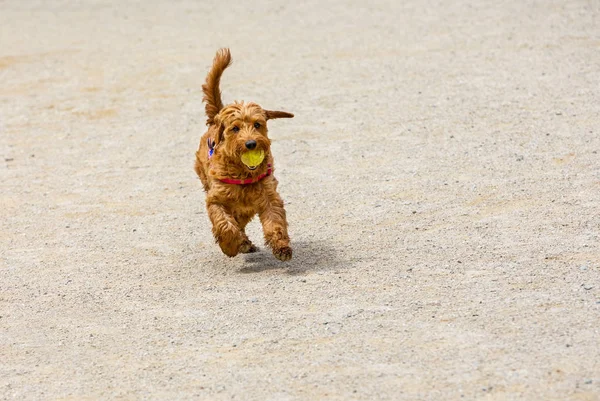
x=212, y=93
x=230, y=207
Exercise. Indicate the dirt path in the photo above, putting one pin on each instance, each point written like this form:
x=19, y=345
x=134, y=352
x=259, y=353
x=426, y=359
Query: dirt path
x=442, y=180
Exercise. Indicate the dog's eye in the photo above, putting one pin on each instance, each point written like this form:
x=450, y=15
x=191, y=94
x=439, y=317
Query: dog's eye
x=257, y=125
x=236, y=129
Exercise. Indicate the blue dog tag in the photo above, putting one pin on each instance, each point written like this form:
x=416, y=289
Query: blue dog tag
x=211, y=148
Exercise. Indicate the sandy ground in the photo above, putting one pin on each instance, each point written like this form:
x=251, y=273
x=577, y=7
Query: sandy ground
x=442, y=181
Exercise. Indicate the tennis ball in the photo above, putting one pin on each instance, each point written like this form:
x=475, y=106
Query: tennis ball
x=253, y=158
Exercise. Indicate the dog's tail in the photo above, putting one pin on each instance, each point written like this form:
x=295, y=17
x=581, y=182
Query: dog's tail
x=212, y=93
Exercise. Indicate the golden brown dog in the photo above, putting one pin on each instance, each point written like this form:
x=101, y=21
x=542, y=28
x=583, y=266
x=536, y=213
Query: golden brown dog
x=235, y=166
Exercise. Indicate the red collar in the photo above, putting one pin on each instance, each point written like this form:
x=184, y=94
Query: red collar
x=249, y=180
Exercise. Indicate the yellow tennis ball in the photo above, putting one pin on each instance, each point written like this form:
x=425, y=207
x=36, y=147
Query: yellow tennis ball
x=253, y=158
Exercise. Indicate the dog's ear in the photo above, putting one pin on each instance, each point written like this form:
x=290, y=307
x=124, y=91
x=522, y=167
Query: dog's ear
x=271, y=114
x=219, y=129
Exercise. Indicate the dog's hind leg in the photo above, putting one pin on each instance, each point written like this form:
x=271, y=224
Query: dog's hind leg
x=247, y=245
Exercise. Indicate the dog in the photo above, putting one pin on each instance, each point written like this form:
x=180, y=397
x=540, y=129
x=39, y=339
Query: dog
x=235, y=165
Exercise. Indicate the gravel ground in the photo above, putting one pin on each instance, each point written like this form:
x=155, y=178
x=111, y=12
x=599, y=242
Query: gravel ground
x=442, y=181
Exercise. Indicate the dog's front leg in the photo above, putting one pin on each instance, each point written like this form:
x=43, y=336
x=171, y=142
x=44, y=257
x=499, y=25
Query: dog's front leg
x=275, y=225
x=225, y=229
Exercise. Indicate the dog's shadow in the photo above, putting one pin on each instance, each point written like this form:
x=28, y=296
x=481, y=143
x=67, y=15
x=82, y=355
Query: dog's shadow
x=308, y=256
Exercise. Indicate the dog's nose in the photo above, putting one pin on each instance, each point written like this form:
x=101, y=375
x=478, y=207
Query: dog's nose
x=251, y=144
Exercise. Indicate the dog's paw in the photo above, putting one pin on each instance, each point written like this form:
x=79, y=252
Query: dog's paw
x=248, y=247
x=229, y=249
x=284, y=253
